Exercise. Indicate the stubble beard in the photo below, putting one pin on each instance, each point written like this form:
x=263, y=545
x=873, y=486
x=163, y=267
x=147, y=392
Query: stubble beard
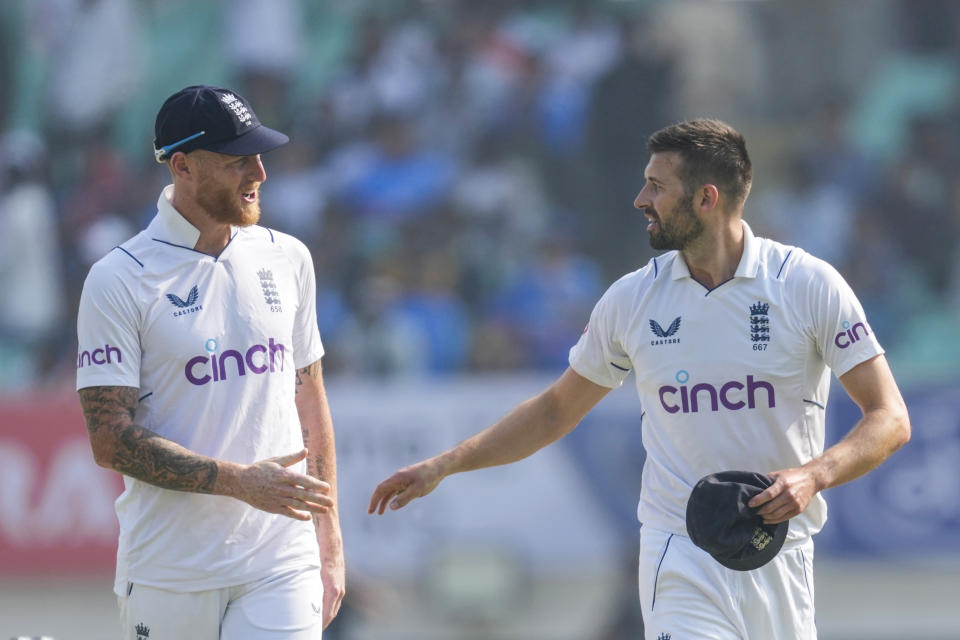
x=683, y=227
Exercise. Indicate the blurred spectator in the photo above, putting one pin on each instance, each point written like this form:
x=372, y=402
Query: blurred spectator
x=297, y=191
x=432, y=308
x=631, y=101
x=393, y=71
x=279, y=41
x=953, y=293
x=573, y=62
x=265, y=62
x=910, y=81
x=31, y=282
x=800, y=212
x=9, y=44
x=95, y=63
x=917, y=199
x=104, y=190
x=503, y=212
x=398, y=178
x=550, y=299
x=876, y=268
x=496, y=78
x=719, y=63
x=833, y=157
x=371, y=341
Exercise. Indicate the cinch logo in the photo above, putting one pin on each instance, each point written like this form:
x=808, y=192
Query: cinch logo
x=849, y=335
x=258, y=359
x=730, y=394
x=98, y=356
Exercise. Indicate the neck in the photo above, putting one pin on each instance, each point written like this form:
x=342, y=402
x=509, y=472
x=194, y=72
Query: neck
x=713, y=258
x=214, y=235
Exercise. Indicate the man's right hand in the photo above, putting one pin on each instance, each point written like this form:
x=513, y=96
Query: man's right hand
x=269, y=486
x=406, y=484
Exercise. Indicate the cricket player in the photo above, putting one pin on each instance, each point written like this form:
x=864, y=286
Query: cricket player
x=732, y=339
x=199, y=375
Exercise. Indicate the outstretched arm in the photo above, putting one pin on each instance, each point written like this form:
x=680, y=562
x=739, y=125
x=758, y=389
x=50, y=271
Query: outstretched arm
x=884, y=428
x=140, y=453
x=530, y=426
x=317, y=425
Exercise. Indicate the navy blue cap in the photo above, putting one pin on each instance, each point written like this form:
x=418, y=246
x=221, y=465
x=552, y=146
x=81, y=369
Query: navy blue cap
x=720, y=522
x=211, y=118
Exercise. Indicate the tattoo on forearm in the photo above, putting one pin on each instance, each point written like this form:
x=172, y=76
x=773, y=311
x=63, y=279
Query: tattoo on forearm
x=139, y=452
x=147, y=456
x=320, y=464
x=311, y=370
x=316, y=464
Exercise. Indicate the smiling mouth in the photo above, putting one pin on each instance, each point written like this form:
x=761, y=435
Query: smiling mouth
x=249, y=196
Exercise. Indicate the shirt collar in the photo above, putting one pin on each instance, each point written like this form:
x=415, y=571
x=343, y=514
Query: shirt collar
x=170, y=225
x=749, y=261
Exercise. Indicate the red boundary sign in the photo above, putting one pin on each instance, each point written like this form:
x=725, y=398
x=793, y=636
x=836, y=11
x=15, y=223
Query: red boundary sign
x=56, y=504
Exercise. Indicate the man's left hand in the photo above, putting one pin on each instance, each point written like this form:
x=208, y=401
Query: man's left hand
x=791, y=492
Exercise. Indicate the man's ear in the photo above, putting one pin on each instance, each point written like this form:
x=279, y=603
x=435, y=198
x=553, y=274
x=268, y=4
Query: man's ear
x=180, y=167
x=707, y=198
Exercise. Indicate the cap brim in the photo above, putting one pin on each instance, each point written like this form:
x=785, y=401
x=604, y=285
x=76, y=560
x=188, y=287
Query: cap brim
x=260, y=139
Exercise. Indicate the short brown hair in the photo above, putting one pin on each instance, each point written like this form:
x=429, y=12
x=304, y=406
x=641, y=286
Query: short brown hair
x=712, y=151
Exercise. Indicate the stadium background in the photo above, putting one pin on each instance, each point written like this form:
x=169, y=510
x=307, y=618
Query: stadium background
x=463, y=173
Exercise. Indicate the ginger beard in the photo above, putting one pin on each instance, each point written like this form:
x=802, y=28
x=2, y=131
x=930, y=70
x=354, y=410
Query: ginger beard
x=680, y=229
x=228, y=205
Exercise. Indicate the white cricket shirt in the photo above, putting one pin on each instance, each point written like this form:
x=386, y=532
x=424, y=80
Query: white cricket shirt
x=735, y=377
x=212, y=343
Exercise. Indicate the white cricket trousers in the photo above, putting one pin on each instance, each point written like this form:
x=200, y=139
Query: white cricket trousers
x=685, y=593
x=287, y=606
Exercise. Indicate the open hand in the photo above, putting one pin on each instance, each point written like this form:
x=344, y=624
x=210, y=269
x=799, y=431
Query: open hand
x=404, y=485
x=269, y=486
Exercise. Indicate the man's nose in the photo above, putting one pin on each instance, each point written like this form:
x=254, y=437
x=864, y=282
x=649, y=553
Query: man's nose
x=641, y=202
x=256, y=171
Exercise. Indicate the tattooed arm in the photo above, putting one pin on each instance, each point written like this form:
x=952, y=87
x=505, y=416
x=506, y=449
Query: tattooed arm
x=140, y=453
x=317, y=426
x=120, y=445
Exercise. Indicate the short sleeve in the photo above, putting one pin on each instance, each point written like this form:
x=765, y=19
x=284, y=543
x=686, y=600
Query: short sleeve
x=598, y=356
x=307, y=346
x=840, y=328
x=108, y=329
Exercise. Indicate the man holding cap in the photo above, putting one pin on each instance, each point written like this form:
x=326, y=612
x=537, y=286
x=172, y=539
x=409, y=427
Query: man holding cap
x=732, y=339
x=199, y=375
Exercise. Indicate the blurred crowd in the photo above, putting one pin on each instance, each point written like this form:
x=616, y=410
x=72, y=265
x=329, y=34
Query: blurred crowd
x=463, y=172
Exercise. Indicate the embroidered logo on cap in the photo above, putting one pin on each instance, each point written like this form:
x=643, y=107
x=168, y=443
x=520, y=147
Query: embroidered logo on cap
x=239, y=109
x=760, y=539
